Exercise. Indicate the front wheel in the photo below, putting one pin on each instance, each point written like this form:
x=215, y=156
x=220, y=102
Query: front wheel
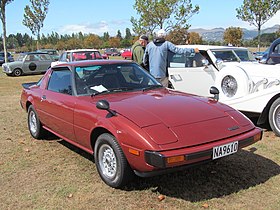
x=17, y=72
x=110, y=161
x=274, y=117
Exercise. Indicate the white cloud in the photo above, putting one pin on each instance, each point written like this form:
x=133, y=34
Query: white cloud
x=98, y=28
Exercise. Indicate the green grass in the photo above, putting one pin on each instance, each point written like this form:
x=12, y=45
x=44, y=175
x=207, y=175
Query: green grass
x=50, y=174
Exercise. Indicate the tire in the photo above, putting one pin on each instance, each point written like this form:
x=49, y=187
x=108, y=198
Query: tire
x=110, y=161
x=274, y=117
x=34, y=125
x=17, y=72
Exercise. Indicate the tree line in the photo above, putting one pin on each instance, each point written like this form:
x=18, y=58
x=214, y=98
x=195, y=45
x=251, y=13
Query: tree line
x=24, y=42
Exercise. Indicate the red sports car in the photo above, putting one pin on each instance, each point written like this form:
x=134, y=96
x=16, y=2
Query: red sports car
x=127, y=54
x=119, y=113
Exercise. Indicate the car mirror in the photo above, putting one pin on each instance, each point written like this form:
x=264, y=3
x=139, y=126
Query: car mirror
x=215, y=92
x=219, y=63
x=104, y=105
x=205, y=62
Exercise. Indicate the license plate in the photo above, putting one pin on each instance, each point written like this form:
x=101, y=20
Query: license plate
x=224, y=150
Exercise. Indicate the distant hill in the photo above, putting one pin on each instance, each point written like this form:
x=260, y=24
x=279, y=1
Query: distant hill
x=216, y=34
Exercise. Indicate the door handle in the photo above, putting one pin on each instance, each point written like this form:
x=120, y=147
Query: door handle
x=176, y=77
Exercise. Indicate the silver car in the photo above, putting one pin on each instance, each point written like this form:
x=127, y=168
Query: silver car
x=28, y=63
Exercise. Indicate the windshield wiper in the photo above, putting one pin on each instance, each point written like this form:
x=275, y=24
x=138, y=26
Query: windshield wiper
x=150, y=87
x=98, y=93
x=112, y=90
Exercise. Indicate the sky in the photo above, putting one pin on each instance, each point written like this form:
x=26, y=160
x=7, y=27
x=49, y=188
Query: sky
x=97, y=16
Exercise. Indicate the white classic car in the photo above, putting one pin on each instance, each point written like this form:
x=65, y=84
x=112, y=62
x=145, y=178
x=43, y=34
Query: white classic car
x=243, y=83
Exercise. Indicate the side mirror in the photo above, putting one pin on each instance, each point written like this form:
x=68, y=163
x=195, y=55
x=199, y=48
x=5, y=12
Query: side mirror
x=219, y=63
x=205, y=62
x=104, y=105
x=215, y=92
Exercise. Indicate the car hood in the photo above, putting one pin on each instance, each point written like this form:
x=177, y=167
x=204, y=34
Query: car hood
x=255, y=69
x=13, y=63
x=169, y=117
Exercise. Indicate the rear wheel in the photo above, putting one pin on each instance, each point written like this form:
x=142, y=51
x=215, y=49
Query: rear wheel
x=111, y=162
x=34, y=125
x=274, y=117
x=17, y=72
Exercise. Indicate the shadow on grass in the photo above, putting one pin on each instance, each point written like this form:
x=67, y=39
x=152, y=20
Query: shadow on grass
x=213, y=180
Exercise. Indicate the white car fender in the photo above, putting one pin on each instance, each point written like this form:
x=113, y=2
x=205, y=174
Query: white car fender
x=233, y=82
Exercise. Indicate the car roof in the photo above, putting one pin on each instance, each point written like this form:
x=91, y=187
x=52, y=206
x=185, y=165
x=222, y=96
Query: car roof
x=212, y=47
x=32, y=53
x=81, y=50
x=93, y=62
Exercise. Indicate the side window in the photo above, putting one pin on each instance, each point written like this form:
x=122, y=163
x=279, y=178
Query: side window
x=276, y=49
x=181, y=61
x=62, y=57
x=44, y=57
x=60, y=81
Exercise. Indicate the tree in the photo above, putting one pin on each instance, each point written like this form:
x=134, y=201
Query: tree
x=119, y=35
x=3, y=4
x=114, y=42
x=92, y=41
x=194, y=38
x=233, y=35
x=167, y=14
x=177, y=36
x=257, y=12
x=34, y=17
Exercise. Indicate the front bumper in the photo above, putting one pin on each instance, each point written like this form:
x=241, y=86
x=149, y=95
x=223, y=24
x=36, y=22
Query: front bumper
x=6, y=69
x=193, y=156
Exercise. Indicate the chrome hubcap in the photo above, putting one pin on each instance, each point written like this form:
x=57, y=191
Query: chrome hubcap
x=276, y=117
x=107, y=161
x=32, y=122
x=229, y=86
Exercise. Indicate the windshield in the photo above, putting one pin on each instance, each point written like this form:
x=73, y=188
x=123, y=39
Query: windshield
x=231, y=55
x=86, y=55
x=21, y=57
x=109, y=78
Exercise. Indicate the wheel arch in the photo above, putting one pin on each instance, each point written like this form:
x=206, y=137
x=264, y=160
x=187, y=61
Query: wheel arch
x=18, y=68
x=27, y=105
x=96, y=132
x=263, y=118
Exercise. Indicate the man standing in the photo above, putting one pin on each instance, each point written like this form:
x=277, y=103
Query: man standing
x=156, y=55
x=138, y=49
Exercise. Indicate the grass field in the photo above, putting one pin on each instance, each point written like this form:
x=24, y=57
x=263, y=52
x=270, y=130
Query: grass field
x=51, y=174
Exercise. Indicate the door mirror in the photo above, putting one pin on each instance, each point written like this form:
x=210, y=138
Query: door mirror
x=215, y=92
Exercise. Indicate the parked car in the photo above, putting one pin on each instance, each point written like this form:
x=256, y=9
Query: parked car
x=127, y=54
x=272, y=56
x=2, y=57
x=28, y=63
x=258, y=55
x=119, y=113
x=112, y=52
x=78, y=55
x=243, y=83
x=52, y=52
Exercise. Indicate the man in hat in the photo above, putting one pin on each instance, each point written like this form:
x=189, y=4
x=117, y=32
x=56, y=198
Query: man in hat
x=156, y=55
x=138, y=49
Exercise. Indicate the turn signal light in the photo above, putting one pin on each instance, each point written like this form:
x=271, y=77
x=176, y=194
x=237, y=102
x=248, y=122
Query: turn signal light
x=175, y=159
x=134, y=151
x=258, y=136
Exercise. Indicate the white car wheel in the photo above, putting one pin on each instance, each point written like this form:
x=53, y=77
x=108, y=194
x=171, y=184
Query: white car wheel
x=274, y=117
